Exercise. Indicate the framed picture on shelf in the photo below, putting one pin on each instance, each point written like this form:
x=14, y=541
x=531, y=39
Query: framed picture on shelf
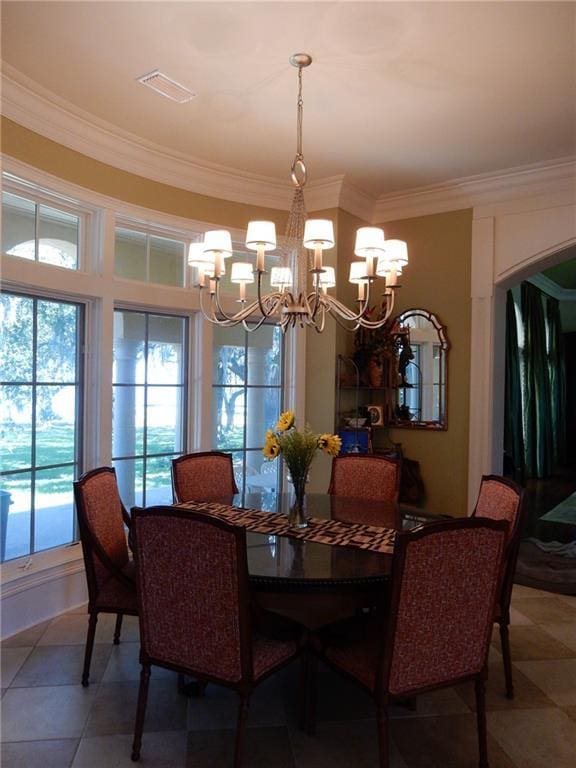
x=354, y=441
x=375, y=415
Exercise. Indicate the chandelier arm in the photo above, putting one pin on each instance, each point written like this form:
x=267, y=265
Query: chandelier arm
x=336, y=308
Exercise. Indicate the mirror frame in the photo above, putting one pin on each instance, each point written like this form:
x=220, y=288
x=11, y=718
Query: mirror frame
x=440, y=328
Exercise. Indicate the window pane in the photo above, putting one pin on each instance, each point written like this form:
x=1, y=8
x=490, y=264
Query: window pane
x=15, y=427
x=264, y=360
x=16, y=349
x=57, y=237
x=53, y=508
x=228, y=421
x=129, y=335
x=163, y=419
x=130, y=475
x=130, y=254
x=56, y=345
x=166, y=261
x=18, y=226
x=229, y=359
x=263, y=408
x=165, y=346
x=261, y=475
x=55, y=425
x=128, y=421
x=15, y=505
x=158, y=480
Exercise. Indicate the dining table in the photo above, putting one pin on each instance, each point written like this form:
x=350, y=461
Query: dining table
x=339, y=564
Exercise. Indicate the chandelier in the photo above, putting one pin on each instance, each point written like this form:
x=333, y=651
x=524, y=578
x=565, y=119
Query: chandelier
x=299, y=282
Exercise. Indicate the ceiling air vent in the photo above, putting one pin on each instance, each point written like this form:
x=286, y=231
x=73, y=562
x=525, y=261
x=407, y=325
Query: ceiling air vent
x=166, y=86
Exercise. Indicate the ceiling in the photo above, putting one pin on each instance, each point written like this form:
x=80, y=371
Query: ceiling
x=399, y=96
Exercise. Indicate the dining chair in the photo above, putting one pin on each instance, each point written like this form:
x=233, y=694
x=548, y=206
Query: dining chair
x=437, y=625
x=365, y=477
x=203, y=476
x=502, y=499
x=109, y=571
x=196, y=616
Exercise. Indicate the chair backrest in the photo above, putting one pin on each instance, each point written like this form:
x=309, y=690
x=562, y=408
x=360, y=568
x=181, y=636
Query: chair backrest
x=445, y=581
x=101, y=518
x=502, y=499
x=203, y=476
x=365, y=477
x=193, y=592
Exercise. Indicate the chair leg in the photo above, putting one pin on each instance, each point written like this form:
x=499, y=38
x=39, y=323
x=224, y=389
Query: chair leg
x=89, y=647
x=383, y=736
x=480, y=689
x=507, y=658
x=241, y=728
x=141, y=711
x=118, y=628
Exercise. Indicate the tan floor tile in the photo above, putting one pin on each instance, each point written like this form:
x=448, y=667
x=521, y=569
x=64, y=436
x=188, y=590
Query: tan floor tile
x=61, y=665
x=570, y=711
x=565, y=633
x=526, y=694
x=27, y=637
x=72, y=628
x=546, y=610
x=520, y=591
x=439, y=742
x=12, y=659
x=556, y=678
x=517, y=618
x=535, y=738
x=53, y=712
x=159, y=750
x=570, y=599
x=349, y=744
x=531, y=642
x=51, y=753
x=263, y=748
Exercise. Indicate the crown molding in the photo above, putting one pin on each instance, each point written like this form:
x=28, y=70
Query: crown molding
x=27, y=103
x=556, y=177
x=552, y=289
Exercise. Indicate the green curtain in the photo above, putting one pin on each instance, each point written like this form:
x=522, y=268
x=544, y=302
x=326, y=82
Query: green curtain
x=513, y=431
x=557, y=372
x=538, y=436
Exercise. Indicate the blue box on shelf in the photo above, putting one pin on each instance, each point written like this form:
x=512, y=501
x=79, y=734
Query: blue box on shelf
x=354, y=441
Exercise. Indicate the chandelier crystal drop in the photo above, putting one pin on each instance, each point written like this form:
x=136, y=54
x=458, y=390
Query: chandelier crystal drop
x=299, y=281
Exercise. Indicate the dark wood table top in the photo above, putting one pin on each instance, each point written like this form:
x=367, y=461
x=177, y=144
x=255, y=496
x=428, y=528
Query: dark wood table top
x=285, y=564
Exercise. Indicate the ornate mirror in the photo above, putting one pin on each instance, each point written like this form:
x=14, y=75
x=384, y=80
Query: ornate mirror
x=422, y=359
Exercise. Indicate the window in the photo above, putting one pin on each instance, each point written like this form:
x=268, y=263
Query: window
x=149, y=382
x=248, y=375
x=39, y=232
x=149, y=258
x=40, y=421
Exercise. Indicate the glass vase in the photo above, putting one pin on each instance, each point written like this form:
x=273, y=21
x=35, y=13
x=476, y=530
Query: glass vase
x=297, y=514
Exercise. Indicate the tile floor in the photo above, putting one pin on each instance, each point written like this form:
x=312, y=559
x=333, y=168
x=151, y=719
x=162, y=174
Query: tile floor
x=50, y=721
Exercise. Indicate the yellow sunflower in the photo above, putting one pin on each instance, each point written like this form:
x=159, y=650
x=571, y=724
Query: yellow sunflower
x=330, y=444
x=271, y=446
x=285, y=422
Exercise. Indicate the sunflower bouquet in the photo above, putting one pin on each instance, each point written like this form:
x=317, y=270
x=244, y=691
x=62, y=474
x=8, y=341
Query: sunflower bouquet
x=298, y=447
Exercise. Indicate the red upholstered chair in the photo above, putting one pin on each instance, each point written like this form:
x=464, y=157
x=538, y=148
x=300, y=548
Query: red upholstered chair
x=195, y=611
x=502, y=499
x=203, y=476
x=445, y=582
x=109, y=570
x=365, y=477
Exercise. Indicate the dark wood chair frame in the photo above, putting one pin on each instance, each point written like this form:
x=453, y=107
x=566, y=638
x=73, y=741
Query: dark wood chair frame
x=91, y=546
x=381, y=695
x=511, y=557
x=387, y=459
x=245, y=686
x=188, y=456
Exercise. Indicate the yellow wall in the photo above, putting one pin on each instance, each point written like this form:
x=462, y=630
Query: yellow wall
x=438, y=279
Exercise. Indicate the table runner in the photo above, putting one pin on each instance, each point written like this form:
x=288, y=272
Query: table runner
x=332, y=532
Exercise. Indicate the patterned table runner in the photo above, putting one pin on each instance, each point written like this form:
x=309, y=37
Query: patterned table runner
x=333, y=532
